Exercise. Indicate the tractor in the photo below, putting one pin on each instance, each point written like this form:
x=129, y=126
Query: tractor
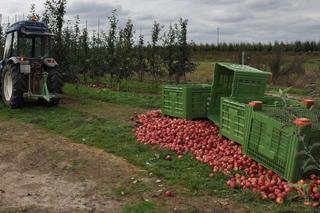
x=28, y=71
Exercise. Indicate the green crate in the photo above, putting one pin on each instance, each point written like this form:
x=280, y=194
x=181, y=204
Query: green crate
x=235, y=112
x=234, y=80
x=186, y=101
x=272, y=140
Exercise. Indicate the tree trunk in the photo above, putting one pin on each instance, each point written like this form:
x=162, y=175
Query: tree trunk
x=84, y=77
x=97, y=80
x=111, y=79
x=118, y=86
x=177, y=77
x=141, y=75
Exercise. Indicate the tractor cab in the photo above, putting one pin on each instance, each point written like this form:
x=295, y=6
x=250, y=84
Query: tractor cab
x=28, y=70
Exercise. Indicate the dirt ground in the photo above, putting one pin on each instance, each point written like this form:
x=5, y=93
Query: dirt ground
x=44, y=172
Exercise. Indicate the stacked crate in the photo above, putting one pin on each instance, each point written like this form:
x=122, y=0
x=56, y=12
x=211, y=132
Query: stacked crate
x=186, y=101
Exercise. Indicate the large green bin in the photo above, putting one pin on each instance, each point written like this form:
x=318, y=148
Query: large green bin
x=234, y=80
x=186, y=101
x=235, y=114
x=274, y=141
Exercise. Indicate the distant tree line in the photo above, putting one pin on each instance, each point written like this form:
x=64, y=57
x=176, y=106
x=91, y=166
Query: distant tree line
x=297, y=46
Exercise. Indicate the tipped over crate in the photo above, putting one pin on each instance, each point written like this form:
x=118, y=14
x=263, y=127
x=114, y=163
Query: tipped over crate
x=186, y=101
x=277, y=143
x=235, y=80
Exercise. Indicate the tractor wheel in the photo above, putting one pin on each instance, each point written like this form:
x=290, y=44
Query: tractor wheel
x=13, y=85
x=55, y=84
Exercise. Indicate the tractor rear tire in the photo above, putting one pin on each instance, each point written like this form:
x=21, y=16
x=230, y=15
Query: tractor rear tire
x=13, y=85
x=55, y=84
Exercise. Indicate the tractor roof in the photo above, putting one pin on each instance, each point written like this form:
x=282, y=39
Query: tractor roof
x=28, y=26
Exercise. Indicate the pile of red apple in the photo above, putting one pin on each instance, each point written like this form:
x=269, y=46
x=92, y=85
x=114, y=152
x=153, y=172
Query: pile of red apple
x=202, y=139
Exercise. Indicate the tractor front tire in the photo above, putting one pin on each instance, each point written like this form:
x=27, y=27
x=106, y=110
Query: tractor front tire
x=13, y=85
x=55, y=84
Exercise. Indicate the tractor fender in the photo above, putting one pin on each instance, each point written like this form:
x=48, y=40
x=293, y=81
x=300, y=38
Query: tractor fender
x=50, y=62
x=13, y=60
x=24, y=65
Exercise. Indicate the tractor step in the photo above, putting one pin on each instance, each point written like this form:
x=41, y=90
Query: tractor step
x=48, y=98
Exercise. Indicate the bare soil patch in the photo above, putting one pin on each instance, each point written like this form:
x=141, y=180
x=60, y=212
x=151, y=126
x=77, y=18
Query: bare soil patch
x=44, y=172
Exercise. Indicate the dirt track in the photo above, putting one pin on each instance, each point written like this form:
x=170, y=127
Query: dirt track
x=44, y=172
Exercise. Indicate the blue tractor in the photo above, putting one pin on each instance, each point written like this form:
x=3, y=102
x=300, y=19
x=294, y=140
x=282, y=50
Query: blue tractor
x=28, y=70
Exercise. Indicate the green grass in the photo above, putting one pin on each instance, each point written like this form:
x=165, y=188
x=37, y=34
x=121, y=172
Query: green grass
x=141, y=207
x=118, y=138
x=107, y=95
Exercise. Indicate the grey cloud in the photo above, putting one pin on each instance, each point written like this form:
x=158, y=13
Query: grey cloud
x=144, y=18
x=268, y=4
x=91, y=11
x=92, y=8
x=245, y=20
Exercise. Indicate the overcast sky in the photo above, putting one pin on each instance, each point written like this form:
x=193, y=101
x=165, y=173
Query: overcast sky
x=238, y=20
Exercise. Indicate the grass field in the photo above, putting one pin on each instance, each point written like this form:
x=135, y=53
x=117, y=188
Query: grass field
x=116, y=136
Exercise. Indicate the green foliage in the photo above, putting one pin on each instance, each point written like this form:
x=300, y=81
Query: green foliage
x=84, y=58
x=154, y=56
x=67, y=46
x=184, y=60
x=177, y=55
x=97, y=59
x=140, y=59
x=76, y=50
x=171, y=56
x=124, y=53
x=111, y=44
x=53, y=15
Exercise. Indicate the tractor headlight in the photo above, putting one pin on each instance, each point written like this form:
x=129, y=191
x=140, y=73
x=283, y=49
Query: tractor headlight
x=25, y=68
